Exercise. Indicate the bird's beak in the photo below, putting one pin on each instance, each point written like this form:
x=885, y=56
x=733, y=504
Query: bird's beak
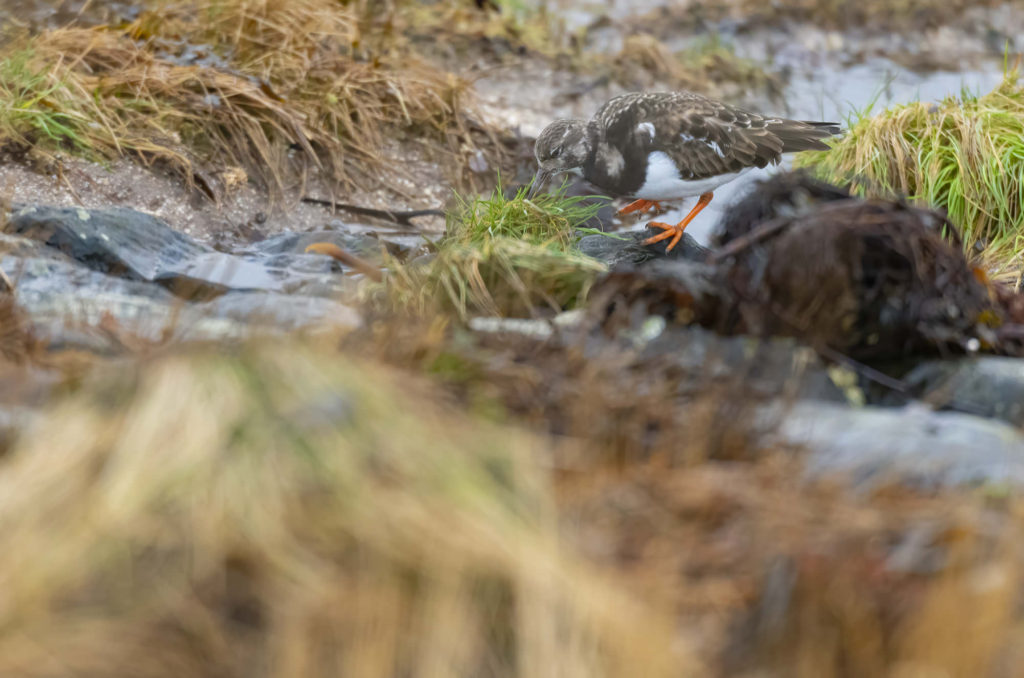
x=540, y=179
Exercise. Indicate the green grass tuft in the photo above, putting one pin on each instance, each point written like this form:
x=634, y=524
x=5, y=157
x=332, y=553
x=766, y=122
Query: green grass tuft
x=504, y=257
x=37, y=106
x=548, y=219
x=964, y=155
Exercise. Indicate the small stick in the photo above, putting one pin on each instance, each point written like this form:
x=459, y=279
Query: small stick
x=741, y=243
x=347, y=258
x=400, y=218
x=6, y=279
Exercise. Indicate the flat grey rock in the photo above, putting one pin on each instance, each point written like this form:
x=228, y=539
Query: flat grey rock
x=987, y=386
x=137, y=246
x=69, y=305
x=912, y=445
x=112, y=240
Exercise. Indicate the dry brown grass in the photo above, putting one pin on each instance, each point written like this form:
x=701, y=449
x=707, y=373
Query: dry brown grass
x=769, y=573
x=709, y=67
x=875, y=15
x=886, y=14
x=284, y=90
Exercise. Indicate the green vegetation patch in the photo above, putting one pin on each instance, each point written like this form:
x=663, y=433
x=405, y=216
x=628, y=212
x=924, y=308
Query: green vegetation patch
x=504, y=256
x=38, y=105
x=964, y=155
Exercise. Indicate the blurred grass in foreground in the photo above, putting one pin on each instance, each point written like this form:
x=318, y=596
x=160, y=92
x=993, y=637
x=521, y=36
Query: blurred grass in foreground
x=290, y=511
x=286, y=513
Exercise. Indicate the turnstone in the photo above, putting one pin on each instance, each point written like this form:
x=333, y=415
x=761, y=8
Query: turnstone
x=656, y=146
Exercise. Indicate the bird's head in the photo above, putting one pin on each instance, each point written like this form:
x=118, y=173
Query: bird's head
x=563, y=146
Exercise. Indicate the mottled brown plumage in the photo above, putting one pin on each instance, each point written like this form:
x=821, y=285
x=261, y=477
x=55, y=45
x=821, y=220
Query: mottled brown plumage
x=670, y=145
x=705, y=138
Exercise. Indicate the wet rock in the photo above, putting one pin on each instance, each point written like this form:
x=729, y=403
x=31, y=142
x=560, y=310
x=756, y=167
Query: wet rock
x=757, y=368
x=212, y=273
x=626, y=248
x=914, y=445
x=134, y=245
x=118, y=241
x=68, y=305
x=656, y=309
x=986, y=386
x=65, y=302
x=284, y=248
x=268, y=311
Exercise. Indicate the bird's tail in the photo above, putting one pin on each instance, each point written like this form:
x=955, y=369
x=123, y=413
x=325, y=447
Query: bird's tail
x=804, y=135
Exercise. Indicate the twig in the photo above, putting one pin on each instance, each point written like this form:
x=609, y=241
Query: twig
x=347, y=258
x=741, y=243
x=399, y=218
x=6, y=279
x=864, y=370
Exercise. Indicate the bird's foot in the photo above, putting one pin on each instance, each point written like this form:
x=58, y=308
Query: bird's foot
x=674, y=231
x=640, y=206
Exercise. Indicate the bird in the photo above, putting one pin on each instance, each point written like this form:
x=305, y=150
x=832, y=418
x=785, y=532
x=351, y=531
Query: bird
x=660, y=146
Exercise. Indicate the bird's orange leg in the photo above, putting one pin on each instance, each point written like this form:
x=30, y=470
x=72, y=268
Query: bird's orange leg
x=676, y=232
x=639, y=206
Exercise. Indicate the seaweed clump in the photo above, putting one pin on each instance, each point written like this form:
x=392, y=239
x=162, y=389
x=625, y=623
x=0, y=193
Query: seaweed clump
x=870, y=279
x=867, y=279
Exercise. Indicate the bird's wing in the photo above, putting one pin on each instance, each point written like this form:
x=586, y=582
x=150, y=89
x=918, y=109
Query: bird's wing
x=703, y=136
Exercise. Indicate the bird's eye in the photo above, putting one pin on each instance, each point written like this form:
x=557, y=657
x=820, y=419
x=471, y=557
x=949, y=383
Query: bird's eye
x=556, y=152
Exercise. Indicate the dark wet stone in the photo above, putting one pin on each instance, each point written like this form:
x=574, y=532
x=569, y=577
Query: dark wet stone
x=212, y=273
x=137, y=246
x=626, y=248
x=282, y=312
x=698, y=358
x=68, y=305
x=116, y=240
x=757, y=367
x=986, y=386
x=913, y=446
x=290, y=243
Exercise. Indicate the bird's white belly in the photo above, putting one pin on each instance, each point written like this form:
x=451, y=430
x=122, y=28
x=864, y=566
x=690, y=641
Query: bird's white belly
x=663, y=182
